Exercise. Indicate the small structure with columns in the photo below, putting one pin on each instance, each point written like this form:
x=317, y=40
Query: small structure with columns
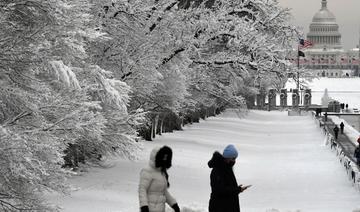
x=272, y=97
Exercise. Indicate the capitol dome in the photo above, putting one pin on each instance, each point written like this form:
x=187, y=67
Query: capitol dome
x=326, y=56
x=324, y=31
x=324, y=16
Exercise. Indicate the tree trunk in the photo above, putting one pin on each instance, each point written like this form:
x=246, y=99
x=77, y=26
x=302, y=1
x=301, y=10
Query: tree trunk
x=156, y=124
x=152, y=130
x=161, y=126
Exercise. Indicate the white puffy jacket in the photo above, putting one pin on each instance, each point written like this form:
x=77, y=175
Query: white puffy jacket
x=153, y=190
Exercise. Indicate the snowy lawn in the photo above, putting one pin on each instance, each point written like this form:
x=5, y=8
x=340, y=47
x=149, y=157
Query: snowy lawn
x=345, y=90
x=282, y=157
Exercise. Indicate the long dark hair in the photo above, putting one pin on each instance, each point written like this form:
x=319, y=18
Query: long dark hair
x=163, y=160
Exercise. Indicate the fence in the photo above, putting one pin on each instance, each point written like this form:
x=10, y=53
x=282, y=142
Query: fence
x=350, y=166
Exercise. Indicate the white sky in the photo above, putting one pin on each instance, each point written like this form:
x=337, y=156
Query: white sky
x=283, y=157
x=347, y=14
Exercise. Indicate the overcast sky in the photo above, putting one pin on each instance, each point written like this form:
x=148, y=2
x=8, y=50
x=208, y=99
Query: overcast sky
x=347, y=14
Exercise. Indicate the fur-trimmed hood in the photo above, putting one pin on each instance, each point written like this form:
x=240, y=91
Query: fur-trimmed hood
x=153, y=156
x=160, y=157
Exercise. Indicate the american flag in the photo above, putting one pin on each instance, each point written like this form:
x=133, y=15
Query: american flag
x=305, y=44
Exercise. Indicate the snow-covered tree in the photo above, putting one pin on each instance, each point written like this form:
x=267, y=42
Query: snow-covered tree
x=81, y=76
x=52, y=97
x=222, y=47
x=252, y=37
x=142, y=52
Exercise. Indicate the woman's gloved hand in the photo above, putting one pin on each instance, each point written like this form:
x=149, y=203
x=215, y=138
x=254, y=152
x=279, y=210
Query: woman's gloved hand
x=144, y=209
x=176, y=207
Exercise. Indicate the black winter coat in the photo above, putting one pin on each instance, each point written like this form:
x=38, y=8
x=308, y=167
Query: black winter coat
x=224, y=188
x=357, y=154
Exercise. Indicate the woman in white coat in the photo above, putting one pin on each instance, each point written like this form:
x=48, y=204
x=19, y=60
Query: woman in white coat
x=153, y=186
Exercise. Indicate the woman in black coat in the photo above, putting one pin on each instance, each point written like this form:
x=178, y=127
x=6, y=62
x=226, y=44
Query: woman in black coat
x=224, y=188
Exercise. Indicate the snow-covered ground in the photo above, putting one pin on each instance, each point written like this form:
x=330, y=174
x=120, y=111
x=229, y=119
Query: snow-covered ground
x=283, y=157
x=344, y=90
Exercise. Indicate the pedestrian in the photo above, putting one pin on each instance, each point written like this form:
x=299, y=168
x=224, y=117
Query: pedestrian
x=325, y=116
x=336, y=131
x=342, y=125
x=224, y=188
x=154, y=182
x=357, y=152
x=347, y=106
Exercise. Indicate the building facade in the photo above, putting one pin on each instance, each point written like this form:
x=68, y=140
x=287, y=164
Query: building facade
x=327, y=57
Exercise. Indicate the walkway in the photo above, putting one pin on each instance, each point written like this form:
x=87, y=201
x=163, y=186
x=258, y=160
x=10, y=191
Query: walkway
x=283, y=158
x=347, y=146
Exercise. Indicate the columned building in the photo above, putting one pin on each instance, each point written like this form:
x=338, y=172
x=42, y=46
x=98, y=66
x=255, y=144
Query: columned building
x=327, y=57
x=324, y=31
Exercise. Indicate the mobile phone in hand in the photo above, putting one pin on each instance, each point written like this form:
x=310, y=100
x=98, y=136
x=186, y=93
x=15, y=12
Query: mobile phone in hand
x=246, y=187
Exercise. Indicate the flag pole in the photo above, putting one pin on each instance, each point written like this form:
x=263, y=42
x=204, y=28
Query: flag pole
x=358, y=68
x=298, y=67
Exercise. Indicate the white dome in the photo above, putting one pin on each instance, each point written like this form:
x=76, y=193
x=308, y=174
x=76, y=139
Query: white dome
x=324, y=15
x=324, y=31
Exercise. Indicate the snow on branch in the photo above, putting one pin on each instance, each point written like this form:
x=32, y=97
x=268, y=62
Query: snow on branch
x=65, y=74
x=165, y=60
x=114, y=92
x=225, y=62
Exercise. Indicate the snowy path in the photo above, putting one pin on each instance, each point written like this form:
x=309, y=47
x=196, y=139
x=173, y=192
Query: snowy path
x=282, y=157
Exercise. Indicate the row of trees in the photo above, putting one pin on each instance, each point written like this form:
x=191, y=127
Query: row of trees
x=93, y=74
